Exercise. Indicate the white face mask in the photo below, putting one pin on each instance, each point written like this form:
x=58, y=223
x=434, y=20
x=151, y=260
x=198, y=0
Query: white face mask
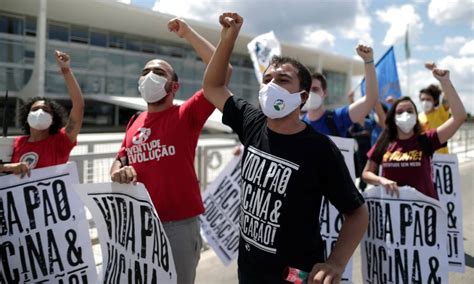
x=314, y=102
x=405, y=121
x=427, y=106
x=39, y=119
x=277, y=102
x=152, y=87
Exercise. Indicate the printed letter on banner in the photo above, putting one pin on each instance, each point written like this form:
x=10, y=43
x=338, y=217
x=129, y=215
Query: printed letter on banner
x=447, y=182
x=220, y=221
x=44, y=235
x=135, y=248
x=406, y=238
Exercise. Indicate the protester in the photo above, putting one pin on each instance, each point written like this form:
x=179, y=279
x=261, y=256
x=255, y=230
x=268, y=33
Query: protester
x=404, y=152
x=433, y=114
x=159, y=148
x=47, y=142
x=286, y=169
x=337, y=122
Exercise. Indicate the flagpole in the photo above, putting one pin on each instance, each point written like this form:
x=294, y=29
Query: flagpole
x=407, y=56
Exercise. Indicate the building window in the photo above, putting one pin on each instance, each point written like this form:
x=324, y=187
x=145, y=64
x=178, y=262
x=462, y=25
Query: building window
x=11, y=79
x=29, y=53
x=116, y=40
x=55, y=83
x=336, y=87
x=11, y=25
x=30, y=26
x=80, y=34
x=131, y=87
x=115, y=86
x=11, y=51
x=95, y=85
x=58, y=32
x=114, y=64
x=148, y=47
x=99, y=38
x=133, y=44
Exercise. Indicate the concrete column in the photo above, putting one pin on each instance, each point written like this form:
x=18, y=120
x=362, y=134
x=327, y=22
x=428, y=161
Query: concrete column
x=35, y=86
x=349, y=77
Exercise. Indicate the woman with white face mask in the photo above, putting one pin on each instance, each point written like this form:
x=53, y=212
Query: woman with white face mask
x=404, y=151
x=48, y=138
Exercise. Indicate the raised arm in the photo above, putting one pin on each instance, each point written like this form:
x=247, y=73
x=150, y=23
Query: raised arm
x=380, y=114
x=448, y=128
x=74, y=123
x=360, y=108
x=214, y=82
x=202, y=46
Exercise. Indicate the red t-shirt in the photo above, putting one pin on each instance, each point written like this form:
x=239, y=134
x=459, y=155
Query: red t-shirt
x=51, y=151
x=161, y=147
x=406, y=163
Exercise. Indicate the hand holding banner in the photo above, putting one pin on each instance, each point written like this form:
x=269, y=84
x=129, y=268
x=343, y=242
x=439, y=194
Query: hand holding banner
x=44, y=235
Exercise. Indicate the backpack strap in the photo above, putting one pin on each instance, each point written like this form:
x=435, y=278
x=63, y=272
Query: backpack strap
x=124, y=160
x=132, y=119
x=331, y=123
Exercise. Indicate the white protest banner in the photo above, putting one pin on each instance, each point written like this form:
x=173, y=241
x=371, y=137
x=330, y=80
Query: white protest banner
x=447, y=183
x=220, y=221
x=261, y=49
x=44, y=234
x=330, y=220
x=135, y=248
x=346, y=146
x=406, y=238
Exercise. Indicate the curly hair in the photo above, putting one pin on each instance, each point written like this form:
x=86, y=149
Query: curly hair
x=434, y=91
x=58, y=113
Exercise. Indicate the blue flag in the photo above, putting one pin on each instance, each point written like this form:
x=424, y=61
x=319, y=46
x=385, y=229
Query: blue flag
x=387, y=76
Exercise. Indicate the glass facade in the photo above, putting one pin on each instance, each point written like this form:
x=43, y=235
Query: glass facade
x=336, y=88
x=107, y=62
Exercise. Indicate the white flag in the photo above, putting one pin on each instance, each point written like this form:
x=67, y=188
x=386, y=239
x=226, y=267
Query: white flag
x=261, y=49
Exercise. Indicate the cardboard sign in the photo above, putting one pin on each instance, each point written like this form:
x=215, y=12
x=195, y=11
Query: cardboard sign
x=406, y=238
x=447, y=183
x=134, y=245
x=220, y=221
x=44, y=234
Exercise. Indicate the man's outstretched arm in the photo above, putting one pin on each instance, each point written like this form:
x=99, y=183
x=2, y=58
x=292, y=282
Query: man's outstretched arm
x=214, y=81
x=202, y=46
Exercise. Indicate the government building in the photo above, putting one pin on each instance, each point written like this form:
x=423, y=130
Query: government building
x=109, y=43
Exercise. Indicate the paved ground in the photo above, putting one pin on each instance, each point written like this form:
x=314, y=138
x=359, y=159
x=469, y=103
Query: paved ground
x=212, y=271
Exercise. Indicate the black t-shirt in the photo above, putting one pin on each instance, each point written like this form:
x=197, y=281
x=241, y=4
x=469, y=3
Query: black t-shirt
x=283, y=180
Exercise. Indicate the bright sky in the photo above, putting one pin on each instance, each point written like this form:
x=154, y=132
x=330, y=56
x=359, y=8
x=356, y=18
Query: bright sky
x=440, y=30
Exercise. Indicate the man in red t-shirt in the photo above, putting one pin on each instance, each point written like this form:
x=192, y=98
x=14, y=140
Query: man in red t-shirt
x=159, y=148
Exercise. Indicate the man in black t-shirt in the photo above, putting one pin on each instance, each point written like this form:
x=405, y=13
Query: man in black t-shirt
x=286, y=169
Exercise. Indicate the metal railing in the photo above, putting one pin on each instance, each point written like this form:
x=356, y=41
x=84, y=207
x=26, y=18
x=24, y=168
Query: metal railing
x=462, y=143
x=94, y=158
